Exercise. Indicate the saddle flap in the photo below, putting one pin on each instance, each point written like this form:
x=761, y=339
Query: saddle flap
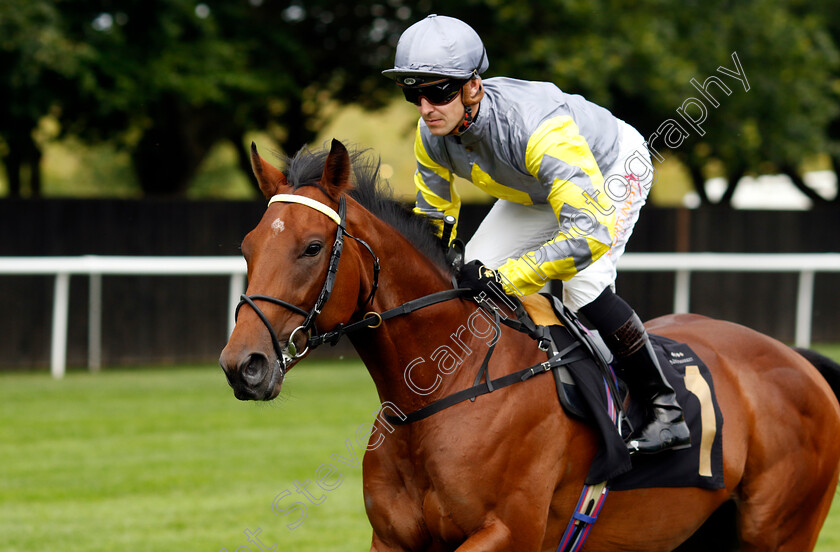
x=547, y=310
x=539, y=308
x=599, y=345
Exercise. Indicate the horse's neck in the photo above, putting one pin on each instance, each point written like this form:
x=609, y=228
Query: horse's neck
x=419, y=357
x=405, y=274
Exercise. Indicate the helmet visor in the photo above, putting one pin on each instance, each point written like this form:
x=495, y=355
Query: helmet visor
x=436, y=93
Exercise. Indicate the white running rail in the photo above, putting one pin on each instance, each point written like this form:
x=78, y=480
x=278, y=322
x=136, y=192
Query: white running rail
x=97, y=266
x=682, y=264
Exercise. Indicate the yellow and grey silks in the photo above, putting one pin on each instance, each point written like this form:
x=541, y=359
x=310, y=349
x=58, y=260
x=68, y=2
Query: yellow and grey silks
x=531, y=144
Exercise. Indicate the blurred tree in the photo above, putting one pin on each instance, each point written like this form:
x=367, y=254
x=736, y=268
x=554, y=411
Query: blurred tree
x=639, y=58
x=168, y=79
x=828, y=16
x=176, y=76
x=36, y=59
x=781, y=120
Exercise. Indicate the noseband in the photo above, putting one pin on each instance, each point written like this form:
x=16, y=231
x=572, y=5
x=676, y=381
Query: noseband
x=332, y=270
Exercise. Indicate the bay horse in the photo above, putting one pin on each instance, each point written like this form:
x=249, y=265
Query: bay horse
x=504, y=472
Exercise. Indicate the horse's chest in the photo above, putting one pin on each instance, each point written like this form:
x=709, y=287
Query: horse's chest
x=441, y=516
x=453, y=488
x=417, y=506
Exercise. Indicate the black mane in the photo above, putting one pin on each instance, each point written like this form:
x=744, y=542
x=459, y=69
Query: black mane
x=372, y=192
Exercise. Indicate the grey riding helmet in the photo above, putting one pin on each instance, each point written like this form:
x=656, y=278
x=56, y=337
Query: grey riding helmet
x=438, y=46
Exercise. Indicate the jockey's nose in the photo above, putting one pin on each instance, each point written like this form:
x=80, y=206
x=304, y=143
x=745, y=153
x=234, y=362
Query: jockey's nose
x=425, y=106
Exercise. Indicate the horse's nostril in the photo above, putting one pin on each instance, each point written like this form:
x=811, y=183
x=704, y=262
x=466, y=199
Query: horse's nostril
x=252, y=369
x=255, y=366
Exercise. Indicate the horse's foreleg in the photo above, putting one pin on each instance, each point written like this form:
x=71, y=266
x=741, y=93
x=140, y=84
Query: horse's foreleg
x=495, y=537
x=379, y=546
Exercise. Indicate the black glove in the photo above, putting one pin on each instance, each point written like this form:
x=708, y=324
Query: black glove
x=474, y=275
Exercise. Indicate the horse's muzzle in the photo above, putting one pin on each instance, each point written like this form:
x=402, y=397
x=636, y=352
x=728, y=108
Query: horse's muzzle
x=254, y=377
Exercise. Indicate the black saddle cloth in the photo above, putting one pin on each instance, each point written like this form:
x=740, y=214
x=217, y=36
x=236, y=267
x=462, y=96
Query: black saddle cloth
x=701, y=465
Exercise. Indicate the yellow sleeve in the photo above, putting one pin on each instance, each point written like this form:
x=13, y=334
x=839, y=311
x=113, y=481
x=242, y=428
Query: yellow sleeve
x=436, y=193
x=560, y=158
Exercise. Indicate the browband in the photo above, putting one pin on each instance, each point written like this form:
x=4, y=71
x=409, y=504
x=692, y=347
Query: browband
x=309, y=202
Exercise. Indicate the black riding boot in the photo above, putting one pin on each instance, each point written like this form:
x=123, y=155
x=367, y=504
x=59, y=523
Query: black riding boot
x=665, y=426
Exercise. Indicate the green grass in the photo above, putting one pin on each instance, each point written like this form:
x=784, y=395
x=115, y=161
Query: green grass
x=167, y=460
x=831, y=350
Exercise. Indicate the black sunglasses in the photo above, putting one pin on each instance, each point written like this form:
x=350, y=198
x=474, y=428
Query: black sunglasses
x=437, y=93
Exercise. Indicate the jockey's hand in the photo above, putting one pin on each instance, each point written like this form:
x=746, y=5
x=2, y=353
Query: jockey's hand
x=474, y=275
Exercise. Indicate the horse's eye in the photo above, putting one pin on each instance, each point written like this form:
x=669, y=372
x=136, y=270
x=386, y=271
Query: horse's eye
x=312, y=249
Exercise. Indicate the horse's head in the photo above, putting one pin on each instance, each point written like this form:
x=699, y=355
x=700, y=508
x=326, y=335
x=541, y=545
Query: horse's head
x=294, y=257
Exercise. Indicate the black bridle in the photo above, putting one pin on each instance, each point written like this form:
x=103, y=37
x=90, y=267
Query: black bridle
x=374, y=320
x=332, y=270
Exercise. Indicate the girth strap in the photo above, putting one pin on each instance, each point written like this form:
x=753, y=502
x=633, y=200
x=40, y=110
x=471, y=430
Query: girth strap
x=586, y=514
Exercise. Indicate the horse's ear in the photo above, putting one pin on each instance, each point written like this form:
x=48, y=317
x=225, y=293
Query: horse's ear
x=272, y=181
x=336, y=177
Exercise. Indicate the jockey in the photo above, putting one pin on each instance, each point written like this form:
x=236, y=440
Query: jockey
x=544, y=155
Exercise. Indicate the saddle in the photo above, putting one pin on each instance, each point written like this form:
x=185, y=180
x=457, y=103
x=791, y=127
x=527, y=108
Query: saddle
x=589, y=390
x=544, y=310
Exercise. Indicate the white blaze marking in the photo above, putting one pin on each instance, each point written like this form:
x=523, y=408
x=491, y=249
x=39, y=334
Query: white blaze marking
x=278, y=226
